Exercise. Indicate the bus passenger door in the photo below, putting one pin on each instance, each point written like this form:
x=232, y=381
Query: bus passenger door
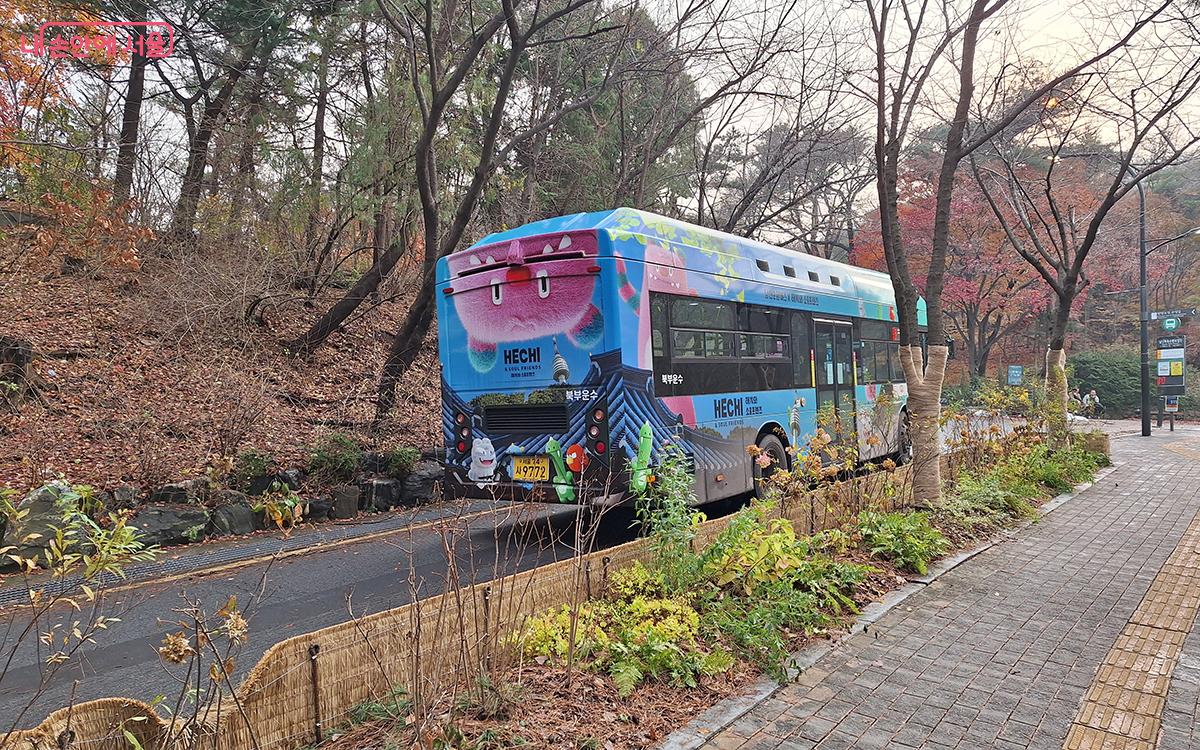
x=833, y=352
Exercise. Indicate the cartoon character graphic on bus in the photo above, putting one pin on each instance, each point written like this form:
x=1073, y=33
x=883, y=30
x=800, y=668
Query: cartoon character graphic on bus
x=517, y=297
x=666, y=271
x=483, y=462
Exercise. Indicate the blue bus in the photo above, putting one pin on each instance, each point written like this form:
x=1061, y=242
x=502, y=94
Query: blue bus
x=575, y=350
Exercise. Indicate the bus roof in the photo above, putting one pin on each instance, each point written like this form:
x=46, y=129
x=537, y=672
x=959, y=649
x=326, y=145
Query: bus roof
x=862, y=283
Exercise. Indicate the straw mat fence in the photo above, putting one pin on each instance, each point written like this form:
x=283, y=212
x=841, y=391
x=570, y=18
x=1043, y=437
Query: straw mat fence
x=306, y=685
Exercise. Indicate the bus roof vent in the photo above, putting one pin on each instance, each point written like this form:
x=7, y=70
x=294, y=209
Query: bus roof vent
x=812, y=276
x=789, y=271
x=763, y=265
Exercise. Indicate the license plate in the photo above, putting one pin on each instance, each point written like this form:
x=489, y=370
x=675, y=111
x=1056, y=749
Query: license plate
x=531, y=468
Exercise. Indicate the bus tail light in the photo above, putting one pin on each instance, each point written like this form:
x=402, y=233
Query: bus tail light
x=593, y=269
x=597, y=429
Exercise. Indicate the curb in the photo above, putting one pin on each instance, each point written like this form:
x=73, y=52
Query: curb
x=718, y=717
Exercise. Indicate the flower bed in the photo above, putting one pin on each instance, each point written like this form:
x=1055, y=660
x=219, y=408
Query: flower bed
x=662, y=641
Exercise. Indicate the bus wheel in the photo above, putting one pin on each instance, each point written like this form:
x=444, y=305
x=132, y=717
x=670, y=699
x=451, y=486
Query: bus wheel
x=905, y=454
x=773, y=447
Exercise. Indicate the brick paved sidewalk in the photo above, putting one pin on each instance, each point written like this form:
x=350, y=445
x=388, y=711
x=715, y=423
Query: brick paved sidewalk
x=1000, y=652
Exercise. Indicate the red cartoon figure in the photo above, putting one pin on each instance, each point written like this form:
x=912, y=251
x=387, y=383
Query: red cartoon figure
x=576, y=458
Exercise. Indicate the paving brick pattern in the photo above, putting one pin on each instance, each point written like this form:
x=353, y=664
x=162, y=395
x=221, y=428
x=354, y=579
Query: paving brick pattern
x=1000, y=652
x=1124, y=706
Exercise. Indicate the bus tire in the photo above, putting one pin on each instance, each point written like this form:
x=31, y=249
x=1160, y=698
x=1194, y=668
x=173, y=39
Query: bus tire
x=904, y=455
x=773, y=447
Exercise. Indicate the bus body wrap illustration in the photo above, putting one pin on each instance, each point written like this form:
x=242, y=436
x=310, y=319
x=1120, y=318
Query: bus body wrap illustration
x=577, y=351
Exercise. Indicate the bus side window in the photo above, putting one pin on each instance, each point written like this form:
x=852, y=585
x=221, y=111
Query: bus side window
x=663, y=383
x=801, y=351
x=894, y=361
x=866, y=361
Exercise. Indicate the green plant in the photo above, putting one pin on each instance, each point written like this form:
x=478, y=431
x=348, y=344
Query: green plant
x=393, y=704
x=634, y=581
x=249, y=465
x=830, y=581
x=630, y=639
x=753, y=549
x=759, y=626
x=905, y=538
x=280, y=505
x=990, y=498
x=400, y=461
x=666, y=511
x=10, y=514
x=335, y=458
x=833, y=541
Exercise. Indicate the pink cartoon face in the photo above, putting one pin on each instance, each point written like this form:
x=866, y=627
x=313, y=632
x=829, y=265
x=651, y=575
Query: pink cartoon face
x=665, y=271
x=527, y=289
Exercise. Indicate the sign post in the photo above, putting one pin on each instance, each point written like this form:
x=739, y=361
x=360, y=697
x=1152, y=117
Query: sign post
x=1179, y=312
x=1016, y=374
x=1171, y=377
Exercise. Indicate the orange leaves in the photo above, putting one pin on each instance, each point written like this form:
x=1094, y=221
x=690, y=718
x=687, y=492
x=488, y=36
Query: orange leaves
x=88, y=229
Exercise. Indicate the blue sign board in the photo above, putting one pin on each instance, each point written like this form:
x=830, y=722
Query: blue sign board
x=1016, y=374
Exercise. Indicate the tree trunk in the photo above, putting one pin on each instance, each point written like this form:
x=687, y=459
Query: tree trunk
x=316, y=335
x=318, y=162
x=1056, y=396
x=405, y=348
x=131, y=117
x=183, y=221
x=1056, y=363
x=17, y=378
x=924, y=412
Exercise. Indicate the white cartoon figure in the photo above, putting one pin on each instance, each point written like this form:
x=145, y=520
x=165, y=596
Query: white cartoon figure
x=483, y=462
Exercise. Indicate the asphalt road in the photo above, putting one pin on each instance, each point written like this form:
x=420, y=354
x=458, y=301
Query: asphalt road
x=285, y=597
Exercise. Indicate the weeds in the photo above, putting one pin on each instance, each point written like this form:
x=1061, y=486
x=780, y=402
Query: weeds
x=907, y=539
x=335, y=458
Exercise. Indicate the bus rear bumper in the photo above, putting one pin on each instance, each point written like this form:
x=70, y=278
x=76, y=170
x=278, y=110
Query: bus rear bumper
x=457, y=486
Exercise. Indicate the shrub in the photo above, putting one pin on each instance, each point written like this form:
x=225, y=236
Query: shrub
x=753, y=550
x=988, y=495
x=634, y=581
x=1114, y=373
x=667, y=513
x=631, y=639
x=335, y=458
x=1040, y=469
x=249, y=465
x=281, y=506
x=830, y=581
x=905, y=538
x=400, y=461
x=758, y=626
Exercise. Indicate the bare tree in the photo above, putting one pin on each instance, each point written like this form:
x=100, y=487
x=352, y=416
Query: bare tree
x=441, y=62
x=910, y=40
x=1054, y=215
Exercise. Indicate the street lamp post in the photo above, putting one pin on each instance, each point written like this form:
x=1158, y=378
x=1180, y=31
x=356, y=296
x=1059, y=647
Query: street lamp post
x=1144, y=309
